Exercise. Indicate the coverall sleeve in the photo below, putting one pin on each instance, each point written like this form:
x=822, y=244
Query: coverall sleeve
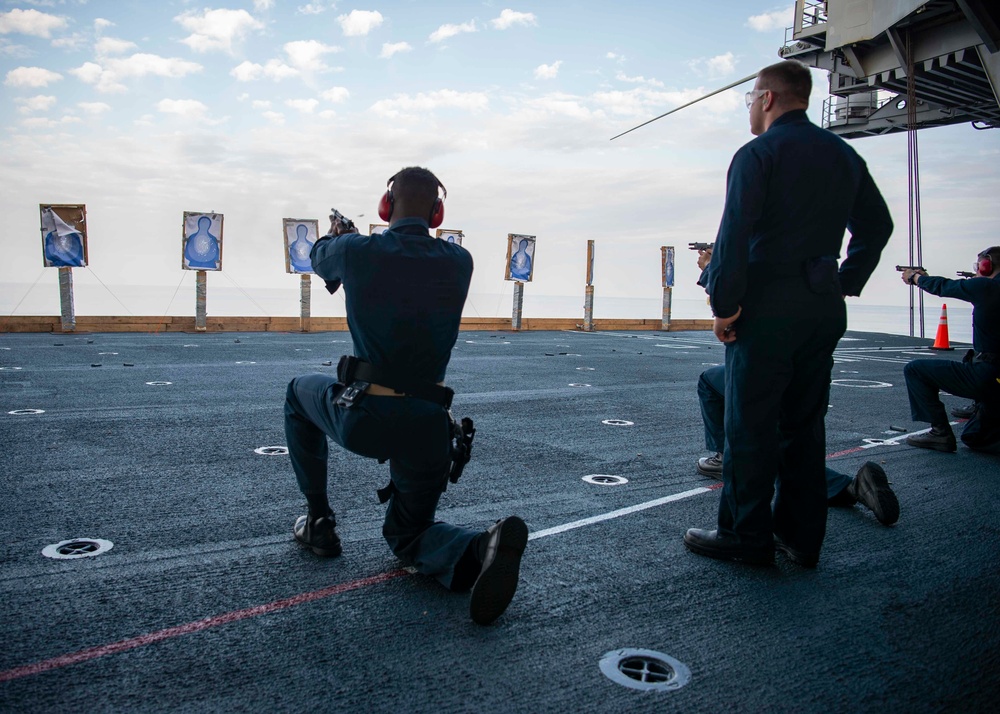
x=971, y=290
x=746, y=184
x=329, y=256
x=870, y=226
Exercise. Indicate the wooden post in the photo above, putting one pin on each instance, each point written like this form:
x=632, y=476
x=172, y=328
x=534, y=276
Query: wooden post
x=665, y=320
x=68, y=312
x=588, y=300
x=588, y=309
x=200, y=300
x=515, y=321
x=305, y=302
x=667, y=263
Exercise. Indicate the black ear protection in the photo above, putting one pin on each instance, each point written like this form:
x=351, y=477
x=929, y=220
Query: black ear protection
x=436, y=217
x=984, y=262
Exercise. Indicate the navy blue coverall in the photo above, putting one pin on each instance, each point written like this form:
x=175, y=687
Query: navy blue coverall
x=404, y=291
x=977, y=379
x=790, y=195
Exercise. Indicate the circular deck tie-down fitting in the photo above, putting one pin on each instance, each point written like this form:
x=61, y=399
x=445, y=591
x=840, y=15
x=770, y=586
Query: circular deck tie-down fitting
x=861, y=383
x=77, y=548
x=645, y=669
x=271, y=450
x=159, y=384
x=25, y=412
x=618, y=422
x=605, y=479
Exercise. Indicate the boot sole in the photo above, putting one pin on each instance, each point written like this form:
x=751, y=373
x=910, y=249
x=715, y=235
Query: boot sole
x=717, y=475
x=496, y=585
x=874, y=492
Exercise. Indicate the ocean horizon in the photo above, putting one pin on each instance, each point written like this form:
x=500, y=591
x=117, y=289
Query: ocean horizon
x=235, y=300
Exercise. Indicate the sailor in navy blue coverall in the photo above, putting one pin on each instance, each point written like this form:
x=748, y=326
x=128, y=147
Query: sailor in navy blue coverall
x=778, y=296
x=977, y=378
x=405, y=291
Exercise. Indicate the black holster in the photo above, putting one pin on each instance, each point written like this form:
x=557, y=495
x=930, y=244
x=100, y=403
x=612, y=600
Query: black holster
x=461, y=450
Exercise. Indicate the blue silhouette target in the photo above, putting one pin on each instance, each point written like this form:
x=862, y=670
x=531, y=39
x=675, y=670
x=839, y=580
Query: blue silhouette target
x=202, y=246
x=300, y=236
x=64, y=235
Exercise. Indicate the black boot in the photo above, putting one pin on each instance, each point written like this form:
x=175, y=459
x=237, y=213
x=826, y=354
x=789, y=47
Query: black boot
x=939, y=438
x=319, y=535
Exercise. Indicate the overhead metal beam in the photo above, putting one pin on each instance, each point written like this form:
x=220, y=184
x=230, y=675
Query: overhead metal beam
x=985, y=21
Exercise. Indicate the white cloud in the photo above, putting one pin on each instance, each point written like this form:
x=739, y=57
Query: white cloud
x=564, y=105
x=186, y=108
x=446, y=31
x=112, y=46
x=389, y=49
x=261, y=104
x=242, y=97
x=622, y=77
x=327, y=114
x=108, y=75
x=307, y=55
x=217, y=29
x=310, y=9
x=46, y=123
x=274, y=117
x=94, y=107
x=721, y=65
x=715, y=67
x=261, y=5
x=336, y=94
x=615, y=56
x=644, y=102
x=101, y=24
x=76, y=41
x=425, y=102
x=510, y=17
x=11, y=49
x=770, y=21
x=548, y=71
x=30, y=22
x=31, y=77
x=360, y=22
x=274, y=69
x=40, y=103
x=306, y=106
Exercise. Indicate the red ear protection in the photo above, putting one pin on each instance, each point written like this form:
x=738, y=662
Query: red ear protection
x=385, y=205
x=437, y=214
x=984, y=263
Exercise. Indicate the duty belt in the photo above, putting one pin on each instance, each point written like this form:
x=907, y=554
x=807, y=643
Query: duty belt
x=382, y=382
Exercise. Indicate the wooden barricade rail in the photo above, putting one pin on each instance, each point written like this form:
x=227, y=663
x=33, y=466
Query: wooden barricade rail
x=118, y=323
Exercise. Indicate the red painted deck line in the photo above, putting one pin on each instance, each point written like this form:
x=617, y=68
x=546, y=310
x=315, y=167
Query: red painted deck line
x=123, y=645
x=845, y=452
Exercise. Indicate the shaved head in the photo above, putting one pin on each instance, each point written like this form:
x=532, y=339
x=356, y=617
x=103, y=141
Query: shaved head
x=416, y=186
x=791, y=80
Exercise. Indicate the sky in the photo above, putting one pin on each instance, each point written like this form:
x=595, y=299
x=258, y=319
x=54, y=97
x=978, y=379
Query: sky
x=266, y=109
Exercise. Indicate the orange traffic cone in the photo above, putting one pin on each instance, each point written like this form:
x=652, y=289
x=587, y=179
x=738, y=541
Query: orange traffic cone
x=941, y=341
